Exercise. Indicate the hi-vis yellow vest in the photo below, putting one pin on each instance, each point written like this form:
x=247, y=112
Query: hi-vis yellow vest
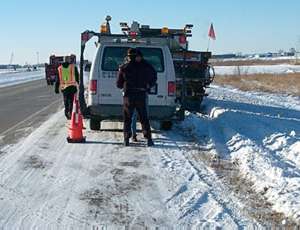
x=66, y=76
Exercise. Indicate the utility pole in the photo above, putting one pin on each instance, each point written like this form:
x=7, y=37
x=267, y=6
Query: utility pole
x=10, y=66
x=38, y=58
x=297, y=50
x=11, y=58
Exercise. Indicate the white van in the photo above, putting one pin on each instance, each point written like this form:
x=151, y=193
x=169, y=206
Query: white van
x=105, y=100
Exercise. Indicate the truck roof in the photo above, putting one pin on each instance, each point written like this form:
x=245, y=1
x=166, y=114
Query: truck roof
x=133, y=44
x=175, y=39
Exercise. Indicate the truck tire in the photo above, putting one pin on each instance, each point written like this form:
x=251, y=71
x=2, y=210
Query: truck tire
x=95, y=124
x=48, y=82
x=166, y=125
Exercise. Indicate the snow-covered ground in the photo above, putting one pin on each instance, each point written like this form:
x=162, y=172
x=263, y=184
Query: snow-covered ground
x=4, y=71
x=11, y=77
x=255, y=58
x=257, y=69
x=260, y=133
x=47, y=183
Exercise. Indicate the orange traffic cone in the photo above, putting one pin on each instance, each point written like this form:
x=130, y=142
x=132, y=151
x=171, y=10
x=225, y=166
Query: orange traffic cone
x=76, y=126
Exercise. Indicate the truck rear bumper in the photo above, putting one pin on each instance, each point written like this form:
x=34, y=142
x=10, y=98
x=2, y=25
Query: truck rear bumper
x=115, y=112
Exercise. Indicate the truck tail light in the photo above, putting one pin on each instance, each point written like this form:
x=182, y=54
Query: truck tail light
x=93, y=86
x=171, y=88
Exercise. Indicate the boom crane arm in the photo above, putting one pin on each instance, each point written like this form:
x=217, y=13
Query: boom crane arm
x=85, y=37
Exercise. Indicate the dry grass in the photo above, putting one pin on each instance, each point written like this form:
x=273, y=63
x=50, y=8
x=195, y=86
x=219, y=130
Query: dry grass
x=216, y=62
x=280, y=83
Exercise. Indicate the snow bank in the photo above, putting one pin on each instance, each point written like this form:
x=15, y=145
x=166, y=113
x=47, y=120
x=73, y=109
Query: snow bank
x=11, y=71
x=257, y=69
x=13, y=78
x=288, y=58
x=260, y=133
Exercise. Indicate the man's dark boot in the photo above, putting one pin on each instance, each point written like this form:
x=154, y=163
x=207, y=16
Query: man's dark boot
x=68, y=115
x=126, y=141
x=150, y=142
x=134, y=139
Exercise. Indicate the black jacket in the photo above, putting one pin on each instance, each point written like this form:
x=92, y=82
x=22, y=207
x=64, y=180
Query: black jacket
x=70, y=89
x=134, y=77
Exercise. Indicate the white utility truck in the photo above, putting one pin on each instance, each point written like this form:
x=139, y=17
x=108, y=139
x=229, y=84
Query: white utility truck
x=165, y=49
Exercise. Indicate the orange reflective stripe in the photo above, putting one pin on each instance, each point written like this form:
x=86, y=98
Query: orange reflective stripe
x=72, y=73
x=60, y=73
x=60, y=77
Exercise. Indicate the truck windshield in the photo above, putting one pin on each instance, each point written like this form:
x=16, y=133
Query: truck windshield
x=115, y=56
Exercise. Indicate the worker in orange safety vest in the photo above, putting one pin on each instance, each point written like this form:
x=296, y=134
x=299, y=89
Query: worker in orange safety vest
x=67, y=81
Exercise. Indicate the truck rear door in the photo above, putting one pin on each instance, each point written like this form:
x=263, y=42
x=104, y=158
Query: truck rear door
x=113, y=57
x=155, y=57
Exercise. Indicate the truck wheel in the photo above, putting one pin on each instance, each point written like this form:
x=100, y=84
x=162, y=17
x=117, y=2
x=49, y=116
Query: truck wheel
x=94, y=124
x=166, y=125
x=48, y=82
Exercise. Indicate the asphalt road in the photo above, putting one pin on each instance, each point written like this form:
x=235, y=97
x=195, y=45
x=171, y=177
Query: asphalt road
x=25, y=106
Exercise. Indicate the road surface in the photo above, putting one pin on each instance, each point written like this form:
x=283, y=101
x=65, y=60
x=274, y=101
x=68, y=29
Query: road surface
x=24, y=107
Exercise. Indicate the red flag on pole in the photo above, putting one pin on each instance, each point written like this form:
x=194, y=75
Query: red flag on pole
x=211, y=32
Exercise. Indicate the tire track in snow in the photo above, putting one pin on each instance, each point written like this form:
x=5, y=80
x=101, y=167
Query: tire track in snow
x=55, y=191
x=25, y=201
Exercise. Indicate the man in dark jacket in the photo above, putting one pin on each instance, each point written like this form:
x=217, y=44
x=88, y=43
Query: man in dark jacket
x=67, y=80
x=135, y=78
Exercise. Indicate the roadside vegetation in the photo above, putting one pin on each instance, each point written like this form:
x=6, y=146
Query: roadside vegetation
x=281, y=83
x=248, y=62
x=272, y=83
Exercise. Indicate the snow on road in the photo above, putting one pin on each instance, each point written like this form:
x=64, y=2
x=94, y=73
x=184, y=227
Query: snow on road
x=18, y=77
x=48, y=183
x=257, y=69
x=260, y=133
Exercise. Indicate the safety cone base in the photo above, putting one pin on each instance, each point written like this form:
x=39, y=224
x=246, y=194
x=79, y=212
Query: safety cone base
x=82, y=140
x=76, y=124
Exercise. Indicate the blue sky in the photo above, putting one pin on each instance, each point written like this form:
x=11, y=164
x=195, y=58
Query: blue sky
x=54, y=26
